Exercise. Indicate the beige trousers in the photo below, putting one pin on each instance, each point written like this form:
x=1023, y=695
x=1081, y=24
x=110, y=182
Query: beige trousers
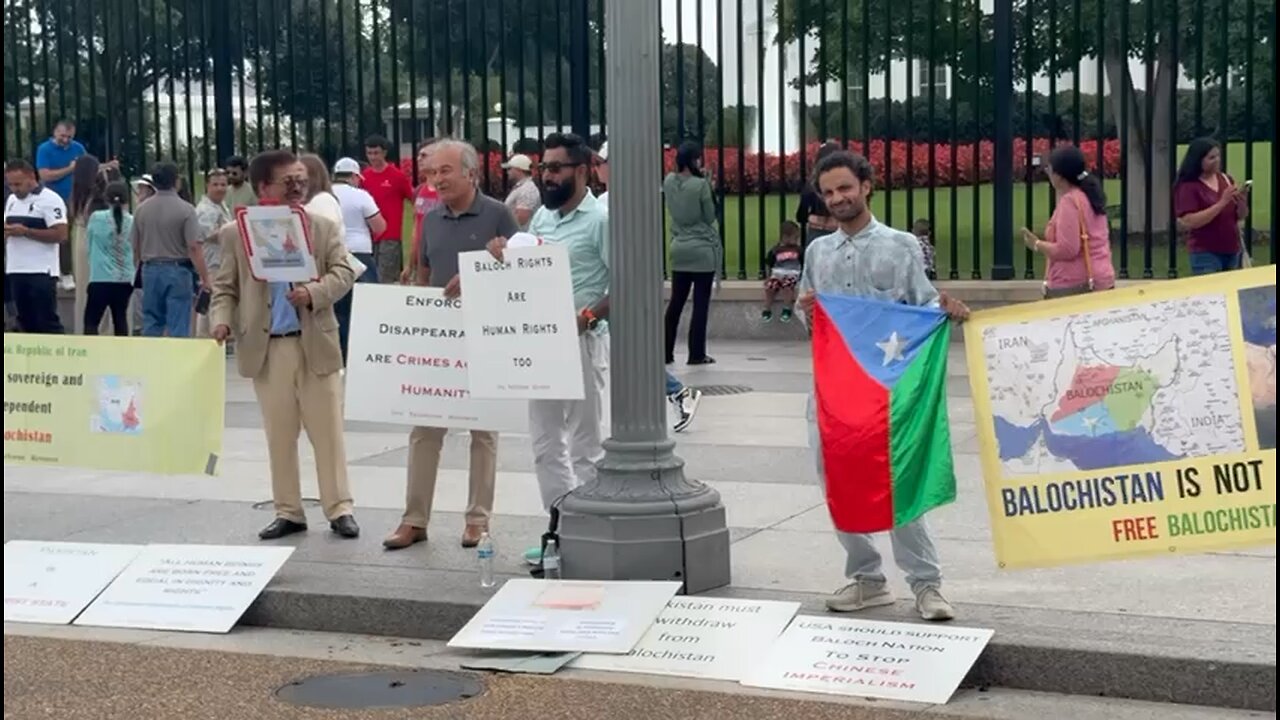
x=425, y=444
x=293, y=398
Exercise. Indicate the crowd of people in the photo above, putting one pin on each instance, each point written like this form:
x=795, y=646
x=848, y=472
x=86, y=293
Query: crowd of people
x=186, y=263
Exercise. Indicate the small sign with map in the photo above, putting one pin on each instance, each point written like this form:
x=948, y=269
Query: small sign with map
x=1129, y=422
x=277, y=242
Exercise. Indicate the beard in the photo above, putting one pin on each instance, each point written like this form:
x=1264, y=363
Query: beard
x=847, y=211
x=554, y=195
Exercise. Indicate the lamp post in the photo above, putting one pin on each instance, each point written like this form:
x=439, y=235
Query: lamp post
x=641, y=518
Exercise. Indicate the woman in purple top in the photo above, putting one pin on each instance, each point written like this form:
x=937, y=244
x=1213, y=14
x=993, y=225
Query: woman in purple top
x=1209, y=207
x=1077, y=240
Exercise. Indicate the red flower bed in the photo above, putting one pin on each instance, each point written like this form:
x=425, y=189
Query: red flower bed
x=974, y=164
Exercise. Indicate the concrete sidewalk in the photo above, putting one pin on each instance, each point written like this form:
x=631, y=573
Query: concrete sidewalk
x=1191, y=629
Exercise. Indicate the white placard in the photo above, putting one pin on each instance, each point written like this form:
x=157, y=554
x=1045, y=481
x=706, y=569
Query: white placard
x=522, y=327
x=277, y=243
x=51, y=582
x=895, y=661
x=200, y=588
x=407, y=363
x=711, y=638
x=566, y=616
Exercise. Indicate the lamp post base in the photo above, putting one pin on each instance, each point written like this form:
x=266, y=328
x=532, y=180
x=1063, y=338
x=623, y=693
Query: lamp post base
x=642, y=519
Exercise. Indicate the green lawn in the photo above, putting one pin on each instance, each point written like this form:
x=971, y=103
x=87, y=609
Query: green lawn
x=743, y=221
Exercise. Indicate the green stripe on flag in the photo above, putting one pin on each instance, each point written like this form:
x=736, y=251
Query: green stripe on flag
x=920, y=463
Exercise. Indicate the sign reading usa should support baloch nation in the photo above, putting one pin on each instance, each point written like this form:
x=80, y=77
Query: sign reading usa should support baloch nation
x=1132, y=422
x=144, y=404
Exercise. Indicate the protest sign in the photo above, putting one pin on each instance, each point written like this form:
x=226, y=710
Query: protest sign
x=710, y=638
x=114, y=403
x=895, y=661
x=51, y=582
x=277, y=243
x=1138, y=421
x=522, y=330
x=407, y=363
x=566, y=616
x=199, y=588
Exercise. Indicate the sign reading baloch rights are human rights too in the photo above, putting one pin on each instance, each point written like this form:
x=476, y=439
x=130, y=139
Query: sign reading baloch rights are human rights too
x=1131, y=422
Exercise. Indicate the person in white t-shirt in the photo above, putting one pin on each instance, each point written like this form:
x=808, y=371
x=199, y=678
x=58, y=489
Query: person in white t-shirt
x=362, y=222
x=35, y=224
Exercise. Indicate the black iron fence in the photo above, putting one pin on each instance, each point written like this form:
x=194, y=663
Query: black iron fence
x=954, y=101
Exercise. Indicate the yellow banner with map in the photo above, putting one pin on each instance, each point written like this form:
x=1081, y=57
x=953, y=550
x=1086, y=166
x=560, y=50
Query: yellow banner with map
x=1138, y=421
x=114, y=403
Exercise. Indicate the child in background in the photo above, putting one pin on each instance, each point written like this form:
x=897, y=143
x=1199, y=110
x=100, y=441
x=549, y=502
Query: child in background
x=923, y=230
x=783, y=263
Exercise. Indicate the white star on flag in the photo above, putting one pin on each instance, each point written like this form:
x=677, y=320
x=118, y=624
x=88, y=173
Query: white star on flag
x=892, y=348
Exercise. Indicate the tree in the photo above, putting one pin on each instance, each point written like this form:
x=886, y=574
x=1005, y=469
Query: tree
x=1045, y=42
x=681, y=65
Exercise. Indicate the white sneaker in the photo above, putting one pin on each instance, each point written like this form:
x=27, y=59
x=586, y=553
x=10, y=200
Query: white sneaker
x=860, y=595
x=686, y=402
x=932, y=606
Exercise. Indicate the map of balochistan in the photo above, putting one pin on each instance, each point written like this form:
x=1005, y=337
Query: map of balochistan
x=119, y=406
x=1131, y=385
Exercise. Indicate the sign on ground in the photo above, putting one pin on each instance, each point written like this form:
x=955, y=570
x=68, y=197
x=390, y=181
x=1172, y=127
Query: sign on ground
x=895, y=661
x=51, y=582
x=711, y=638
x=198, y=588
x=566, y=616
x=408, y=363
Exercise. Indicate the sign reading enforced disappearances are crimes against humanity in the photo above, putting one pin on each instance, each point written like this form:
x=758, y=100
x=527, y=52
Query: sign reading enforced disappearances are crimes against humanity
x=127, y=403
x=1130, y=422
x=408, y=363
x=522, y=330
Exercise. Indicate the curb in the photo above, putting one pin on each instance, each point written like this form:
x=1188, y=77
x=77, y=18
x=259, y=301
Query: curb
x=1179, y=674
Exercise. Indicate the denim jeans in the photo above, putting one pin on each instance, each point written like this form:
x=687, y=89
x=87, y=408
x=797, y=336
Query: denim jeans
x=913, y=549
x=673, y=385
x=167, y=294
x=342, y=308
x=1204, y=263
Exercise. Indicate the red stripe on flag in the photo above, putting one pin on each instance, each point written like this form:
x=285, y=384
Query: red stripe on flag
x=853, y=424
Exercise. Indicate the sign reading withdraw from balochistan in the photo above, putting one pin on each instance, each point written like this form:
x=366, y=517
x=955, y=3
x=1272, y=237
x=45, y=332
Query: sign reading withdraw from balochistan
x=1132, y=422
x=143, y=404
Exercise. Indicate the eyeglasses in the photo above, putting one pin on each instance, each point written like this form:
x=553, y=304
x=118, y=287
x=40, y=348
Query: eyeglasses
x=293, y=181
x=556, y=167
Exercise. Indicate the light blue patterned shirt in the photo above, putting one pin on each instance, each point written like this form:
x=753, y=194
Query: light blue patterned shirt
x=878, y=262
x=284, y=317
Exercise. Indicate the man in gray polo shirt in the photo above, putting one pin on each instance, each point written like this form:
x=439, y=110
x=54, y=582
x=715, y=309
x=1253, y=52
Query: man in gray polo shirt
x=166, y=239
x=465, y=220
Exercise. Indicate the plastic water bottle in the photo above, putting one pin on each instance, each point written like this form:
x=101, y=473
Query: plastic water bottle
x=551, y=561
x=484, y=553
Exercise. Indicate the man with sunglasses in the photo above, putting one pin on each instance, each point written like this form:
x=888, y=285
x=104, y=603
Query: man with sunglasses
x=287, y=343
x=568, y=435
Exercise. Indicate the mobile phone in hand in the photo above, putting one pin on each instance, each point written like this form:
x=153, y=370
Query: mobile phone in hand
x=202, y=301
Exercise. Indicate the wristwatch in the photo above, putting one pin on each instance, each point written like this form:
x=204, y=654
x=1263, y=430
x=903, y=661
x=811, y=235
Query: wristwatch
x=590, y=317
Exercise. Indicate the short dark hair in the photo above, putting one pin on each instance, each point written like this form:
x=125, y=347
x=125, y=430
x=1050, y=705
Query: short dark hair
x=235, y=161
x=164, y=175
x=790, y=228
x=921, y=226
x=19, y=165
x=66, y=123
x=851, y=161
x=264, y=165
x=574, y=146
x=377, y=141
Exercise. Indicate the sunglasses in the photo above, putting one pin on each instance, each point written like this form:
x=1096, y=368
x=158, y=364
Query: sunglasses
x=556, y=167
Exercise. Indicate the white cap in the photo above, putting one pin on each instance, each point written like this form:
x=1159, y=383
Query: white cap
x=346, y=166
x=518, y=162
x=144, y=181
x=603, y=152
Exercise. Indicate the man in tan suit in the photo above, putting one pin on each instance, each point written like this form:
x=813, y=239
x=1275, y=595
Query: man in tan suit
x=287, y=341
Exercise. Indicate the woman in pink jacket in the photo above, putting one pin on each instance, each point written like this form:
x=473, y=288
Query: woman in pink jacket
x=1077, y=240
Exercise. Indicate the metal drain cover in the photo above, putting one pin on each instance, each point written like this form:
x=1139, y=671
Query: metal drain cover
x=401, y=689
x=724, y=389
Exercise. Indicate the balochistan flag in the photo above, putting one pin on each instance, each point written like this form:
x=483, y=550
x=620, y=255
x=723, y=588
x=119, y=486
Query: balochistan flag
x=880, y=372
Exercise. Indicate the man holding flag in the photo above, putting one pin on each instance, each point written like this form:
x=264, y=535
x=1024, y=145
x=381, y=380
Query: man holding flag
x=878, y=416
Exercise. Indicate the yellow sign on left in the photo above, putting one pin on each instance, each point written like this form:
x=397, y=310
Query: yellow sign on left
x=144, y=404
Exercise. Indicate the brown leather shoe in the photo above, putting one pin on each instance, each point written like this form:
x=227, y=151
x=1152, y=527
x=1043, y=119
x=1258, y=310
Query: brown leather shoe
x=471, y=535
x=404, y=536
